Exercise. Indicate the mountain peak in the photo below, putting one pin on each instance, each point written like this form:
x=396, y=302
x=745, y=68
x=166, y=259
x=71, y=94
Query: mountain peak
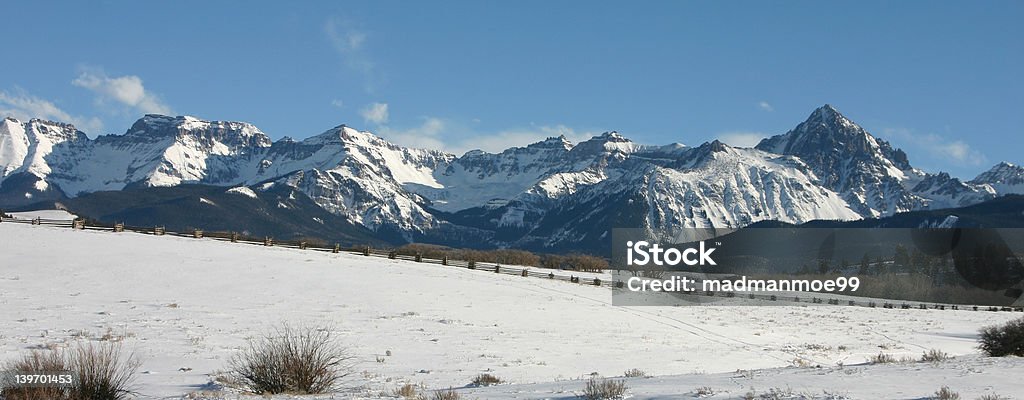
x=559, y=142
x=157, y=126
x=826, y=130
x=1004, y=173
x=612, y=135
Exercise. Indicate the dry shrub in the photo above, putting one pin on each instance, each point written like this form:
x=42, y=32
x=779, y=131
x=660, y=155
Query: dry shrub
x=945, y=394
x=102, y=371
x=292, y=360
x=449, y=394
x=406, y=391
x=486, y=380
x=1003, y=340
x=35, y=362
x=934, y=355
x=882, y=358
x=635, y=373
x=604, y=389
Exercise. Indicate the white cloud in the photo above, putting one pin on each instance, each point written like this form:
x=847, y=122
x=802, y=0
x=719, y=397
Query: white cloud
x=376, y=113
x=24, y=106
x=936, y=146
x=741, y=139
x=765, y=106
x=127, y=90
x=351, y=46
x=338, y=103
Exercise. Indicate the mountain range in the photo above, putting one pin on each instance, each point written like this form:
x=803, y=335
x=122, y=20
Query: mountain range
x=554, y=195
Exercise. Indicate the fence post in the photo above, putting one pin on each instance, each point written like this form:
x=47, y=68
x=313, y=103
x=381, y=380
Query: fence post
x=597, y=282
x=392, y=254
x=419, y=257
x=497, y=268
x=526, y=273
x=302, y=245
x=444, y=260
x=234, y=237
x=337, y=248
x=471, y=264
x=267, y=241
x=198, y=233
x=119, y=227
x=366, y=251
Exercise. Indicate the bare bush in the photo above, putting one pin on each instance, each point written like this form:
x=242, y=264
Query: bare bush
x=934, y=355
x=1003, y=340
x=945, y=394
x=449, y=394
x=604, y=389
x=102, y=371
x=292, y=360
x=635, y=373
x=406, y=391
x=882, y=358
x=992, y=396
x=486, y=380
x=35, y=362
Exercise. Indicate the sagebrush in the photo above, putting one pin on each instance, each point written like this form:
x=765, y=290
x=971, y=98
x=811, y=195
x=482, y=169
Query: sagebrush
x=1003, y=340
x=486, y=380
x=604, y=389
x=304, y=360
x=102, y=372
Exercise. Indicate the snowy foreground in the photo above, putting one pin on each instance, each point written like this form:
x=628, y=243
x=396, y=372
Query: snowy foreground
x=186, y=305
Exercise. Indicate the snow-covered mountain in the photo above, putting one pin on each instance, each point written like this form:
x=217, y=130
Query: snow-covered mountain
x=1003, y=178
x=550, y=194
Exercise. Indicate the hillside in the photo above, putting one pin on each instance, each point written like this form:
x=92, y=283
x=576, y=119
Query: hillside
x=186, y=305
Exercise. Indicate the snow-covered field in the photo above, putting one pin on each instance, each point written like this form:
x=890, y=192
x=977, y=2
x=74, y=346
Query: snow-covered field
x=186, y=305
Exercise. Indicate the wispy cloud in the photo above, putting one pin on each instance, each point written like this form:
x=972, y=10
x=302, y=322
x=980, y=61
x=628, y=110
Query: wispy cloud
x=936, y=146
x=350, y=44
x=763, y=105
x=125, y=91
x=338, y=103
x=741, y=139
x=375, y=113
x=427, y=135
x=24, y=106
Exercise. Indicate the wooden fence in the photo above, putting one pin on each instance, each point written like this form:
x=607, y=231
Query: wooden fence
x=234, y=237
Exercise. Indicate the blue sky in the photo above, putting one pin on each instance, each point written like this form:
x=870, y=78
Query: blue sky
x=939, y=79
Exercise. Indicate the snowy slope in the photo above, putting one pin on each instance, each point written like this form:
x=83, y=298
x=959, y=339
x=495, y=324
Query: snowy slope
x=1003, y=178
x=185, y=306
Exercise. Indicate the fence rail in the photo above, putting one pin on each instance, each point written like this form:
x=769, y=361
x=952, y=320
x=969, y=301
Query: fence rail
x=234, y=237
